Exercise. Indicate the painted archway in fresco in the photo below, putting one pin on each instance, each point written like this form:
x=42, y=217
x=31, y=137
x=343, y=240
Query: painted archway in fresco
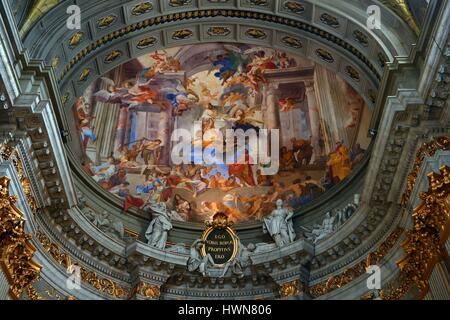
x=126, y=120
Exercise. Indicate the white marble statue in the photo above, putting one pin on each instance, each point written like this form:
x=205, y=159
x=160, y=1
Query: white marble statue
x=320, y=232
x=105, y=222
x=160, y=226
x=242, y=260
x=279, y=225
x=196, y=262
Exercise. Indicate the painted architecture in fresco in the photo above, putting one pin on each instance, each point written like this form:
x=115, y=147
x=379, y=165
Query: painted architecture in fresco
x=126, y=120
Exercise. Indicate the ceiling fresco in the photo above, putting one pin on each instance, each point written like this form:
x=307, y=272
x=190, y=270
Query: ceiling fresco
x=126, y=120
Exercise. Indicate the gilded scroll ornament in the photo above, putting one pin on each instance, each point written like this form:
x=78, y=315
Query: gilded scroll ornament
x=148, y=290
x=325, y=55
x=106, y=21
x=289, y=289
x=114, y=55
x=142, y=8
x=75, y=39
x=182, y=34
x=425, y=242
x=329, y=20
x=256, y=34
x=426, y=150
x=361, y=38
x=292, y=42
x=352, y=73
x=294, y=7
x=16, y=250
x=84, y=74
x=219, y=31
x=179, y=3
x=146, y=42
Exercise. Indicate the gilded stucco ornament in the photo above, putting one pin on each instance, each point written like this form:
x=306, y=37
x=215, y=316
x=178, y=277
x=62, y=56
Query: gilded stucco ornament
x=106, y=21
x=289, y=289
x=292, y=42
x=256, y=34
x=84, y=74
x=75, y=39
x=114, y=55
x=16, y=250
x=146, y=42
x=219, y=31
x=148, y=290
x=179, y=3
x=294, y=6
x=325, y=55
x=182, y=34
x=424, y=245
x=142, y=8
x=426, y=150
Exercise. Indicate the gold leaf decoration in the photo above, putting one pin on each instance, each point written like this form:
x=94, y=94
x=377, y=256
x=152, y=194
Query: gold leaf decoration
x=292, y=42
x=16, y=250
x=75, y=39
x=182, y=34
x=256, y=34
x=289, y=289
x=142, y=8
x=84, y=74
x=106, y=21
x=294, y=7
x=325, y=55
x=146, y=42
x=113, y=56
x=352, y=73
x=425, y=242
x=219, y=31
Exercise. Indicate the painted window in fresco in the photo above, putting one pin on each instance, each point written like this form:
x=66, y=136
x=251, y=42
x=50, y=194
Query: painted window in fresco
x=126, y=119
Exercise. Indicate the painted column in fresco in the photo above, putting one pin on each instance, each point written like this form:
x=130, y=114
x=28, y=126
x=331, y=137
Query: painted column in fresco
x=105, y=123
x=272, y=112
x=314, y=117
x=121, y=130
x=164, y=133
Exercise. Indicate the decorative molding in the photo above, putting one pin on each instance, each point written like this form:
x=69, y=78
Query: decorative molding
x=102, y=285
x=189, y=15
x=336, y=282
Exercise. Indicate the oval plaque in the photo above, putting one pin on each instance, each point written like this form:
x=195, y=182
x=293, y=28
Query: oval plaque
x=221, y=242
